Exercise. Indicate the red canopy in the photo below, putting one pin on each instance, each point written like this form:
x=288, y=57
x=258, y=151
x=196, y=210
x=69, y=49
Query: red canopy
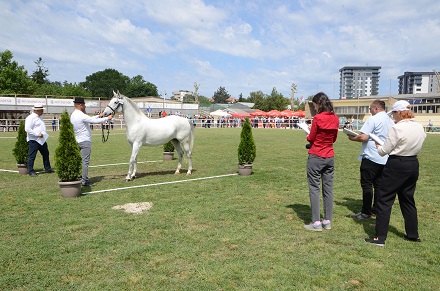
x=274, y=113
x=299, y=113
x=259, y=112
x=287, y=113
x=240, y=114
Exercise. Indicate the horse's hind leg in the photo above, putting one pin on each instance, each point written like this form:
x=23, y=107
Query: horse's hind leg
x=187, y=148
x=133, y=162
x=179, y=151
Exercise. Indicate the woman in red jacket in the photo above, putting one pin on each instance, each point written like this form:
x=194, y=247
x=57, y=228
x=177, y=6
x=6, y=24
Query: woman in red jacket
x=320, y=164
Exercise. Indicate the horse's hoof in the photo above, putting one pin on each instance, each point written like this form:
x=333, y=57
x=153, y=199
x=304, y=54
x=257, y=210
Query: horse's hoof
x=176, y=173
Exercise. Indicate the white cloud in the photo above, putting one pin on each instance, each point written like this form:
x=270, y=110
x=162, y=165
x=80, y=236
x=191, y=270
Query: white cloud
x=242, y=45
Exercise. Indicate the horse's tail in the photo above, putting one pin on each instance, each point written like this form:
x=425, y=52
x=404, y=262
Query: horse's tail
x=191, y=138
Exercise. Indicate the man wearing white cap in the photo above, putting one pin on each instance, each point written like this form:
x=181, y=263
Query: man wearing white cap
x=401, y=172
x=36, y=138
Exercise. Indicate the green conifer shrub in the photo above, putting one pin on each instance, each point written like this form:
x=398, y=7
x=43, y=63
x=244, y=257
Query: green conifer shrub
x=21, y=149
x=68, y=162
x=168, y=147
x=246, y=149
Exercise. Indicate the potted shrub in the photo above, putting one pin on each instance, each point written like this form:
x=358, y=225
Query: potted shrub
x=68, y=161
x=21, y=150
x=246, y=149
x=168, y=151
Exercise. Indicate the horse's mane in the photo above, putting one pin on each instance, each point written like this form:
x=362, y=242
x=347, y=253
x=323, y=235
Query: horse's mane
x=128, y=100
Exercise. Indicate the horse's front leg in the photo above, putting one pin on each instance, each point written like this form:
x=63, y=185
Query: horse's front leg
x=132, y=168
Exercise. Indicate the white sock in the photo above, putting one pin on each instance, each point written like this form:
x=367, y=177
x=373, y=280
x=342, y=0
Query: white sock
x=316, y=223
x=325, y=221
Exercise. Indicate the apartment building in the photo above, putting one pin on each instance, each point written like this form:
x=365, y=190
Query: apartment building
x=418, y=83
x=358, y=81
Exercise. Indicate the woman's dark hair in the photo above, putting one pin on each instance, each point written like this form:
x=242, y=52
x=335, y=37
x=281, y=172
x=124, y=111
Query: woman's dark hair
x=324, y=104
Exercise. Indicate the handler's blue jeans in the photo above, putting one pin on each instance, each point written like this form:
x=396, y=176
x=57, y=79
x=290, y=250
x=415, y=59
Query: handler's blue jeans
x=34, y=147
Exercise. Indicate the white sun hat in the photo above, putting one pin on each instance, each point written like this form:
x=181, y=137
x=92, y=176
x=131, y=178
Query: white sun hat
x=400, y=105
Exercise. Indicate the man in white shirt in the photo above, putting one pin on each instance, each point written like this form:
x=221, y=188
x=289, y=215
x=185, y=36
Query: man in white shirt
x=36, y=138
x=372, y=164
x=81, y=126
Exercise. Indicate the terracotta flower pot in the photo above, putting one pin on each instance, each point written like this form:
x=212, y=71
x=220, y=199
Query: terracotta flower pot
x=168, y=156
x=22, y=169
x=245, y=170
x=70, y=189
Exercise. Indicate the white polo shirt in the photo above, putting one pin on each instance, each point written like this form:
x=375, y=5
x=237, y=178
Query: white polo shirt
x=81, y=125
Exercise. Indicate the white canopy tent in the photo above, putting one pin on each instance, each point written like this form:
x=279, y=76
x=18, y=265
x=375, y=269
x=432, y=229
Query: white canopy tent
x=219, y=113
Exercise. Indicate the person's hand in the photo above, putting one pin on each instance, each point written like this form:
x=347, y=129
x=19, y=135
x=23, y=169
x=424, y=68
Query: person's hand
x=351, y=137
x=110, y=117
x=40, y=135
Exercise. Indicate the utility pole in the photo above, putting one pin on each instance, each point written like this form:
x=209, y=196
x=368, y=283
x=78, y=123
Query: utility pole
x=196, y=98
x=292, y=96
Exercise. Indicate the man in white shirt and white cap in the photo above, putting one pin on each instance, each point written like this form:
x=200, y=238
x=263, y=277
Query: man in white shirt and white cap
x=83, y=135
x=36, y=138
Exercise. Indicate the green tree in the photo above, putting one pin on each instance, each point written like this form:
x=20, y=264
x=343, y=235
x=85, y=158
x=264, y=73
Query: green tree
x=139, y=87
x=14, y=78
x=276, y=101
x=61, y=89
x=103, y=83
x=21, y=149
x=257, y=98
x=204, y=101
x=189, y=98
x=246, y=149
x=67, y=153
x=40, y=75
x=221, y=95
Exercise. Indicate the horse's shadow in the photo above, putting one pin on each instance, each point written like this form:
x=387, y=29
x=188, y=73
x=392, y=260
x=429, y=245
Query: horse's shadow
x=302, y=211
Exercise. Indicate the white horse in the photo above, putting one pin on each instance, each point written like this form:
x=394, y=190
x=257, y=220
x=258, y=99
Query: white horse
x=142, y=130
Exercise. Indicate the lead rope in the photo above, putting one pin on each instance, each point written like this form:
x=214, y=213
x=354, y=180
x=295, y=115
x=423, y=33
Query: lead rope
x=105, y=138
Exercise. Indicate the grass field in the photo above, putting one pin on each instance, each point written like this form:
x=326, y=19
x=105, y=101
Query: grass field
x=228, y=233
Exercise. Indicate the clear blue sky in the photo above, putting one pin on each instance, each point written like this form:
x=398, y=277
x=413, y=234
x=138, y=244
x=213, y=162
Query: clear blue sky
x=243, y=46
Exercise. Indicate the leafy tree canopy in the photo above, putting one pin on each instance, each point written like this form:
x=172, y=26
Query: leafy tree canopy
x=13, y=78
x=221, y=95
x=274, y=101
x=103, y=83
x=138, y=87
x=40, y=75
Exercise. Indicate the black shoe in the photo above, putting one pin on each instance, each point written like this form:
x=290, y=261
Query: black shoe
x=50, y=171
x=375, y=241
x=88, y=185
x=33, y=174
x=412, y=239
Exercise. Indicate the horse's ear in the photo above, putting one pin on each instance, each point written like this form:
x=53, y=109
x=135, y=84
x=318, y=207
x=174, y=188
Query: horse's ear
x=114, y=93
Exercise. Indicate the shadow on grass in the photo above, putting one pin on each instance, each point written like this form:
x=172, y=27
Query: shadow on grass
x=369, y=225
x=354, y=205
x=302, y=211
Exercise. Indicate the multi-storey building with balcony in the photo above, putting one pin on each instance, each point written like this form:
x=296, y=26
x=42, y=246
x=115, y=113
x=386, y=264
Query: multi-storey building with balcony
x=358, y=81
x=418, y=83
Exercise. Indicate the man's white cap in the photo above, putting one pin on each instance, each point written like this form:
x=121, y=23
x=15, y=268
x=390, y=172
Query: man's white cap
x=38, y=107
x=400, y=105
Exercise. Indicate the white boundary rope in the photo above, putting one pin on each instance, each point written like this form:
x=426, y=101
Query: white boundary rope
x=158, y=184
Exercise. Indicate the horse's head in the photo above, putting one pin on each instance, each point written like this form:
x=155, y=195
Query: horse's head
x=115, y=105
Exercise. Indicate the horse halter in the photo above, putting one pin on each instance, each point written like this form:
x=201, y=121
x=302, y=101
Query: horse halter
x=114, y=109
x=105, y=138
